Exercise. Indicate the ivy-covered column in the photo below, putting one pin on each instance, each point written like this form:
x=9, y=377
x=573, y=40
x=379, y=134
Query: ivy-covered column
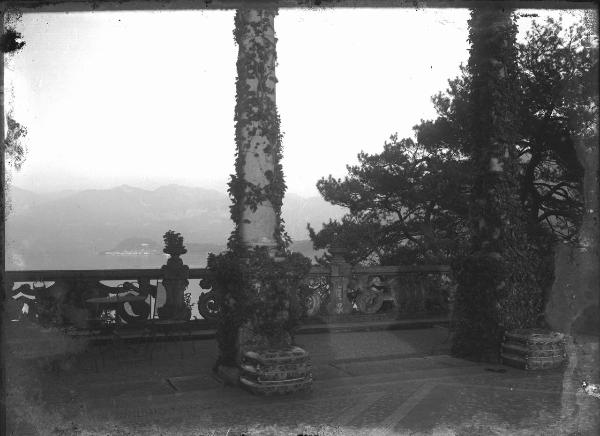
x=257, y=280
x=497, y=284
x=258, y=184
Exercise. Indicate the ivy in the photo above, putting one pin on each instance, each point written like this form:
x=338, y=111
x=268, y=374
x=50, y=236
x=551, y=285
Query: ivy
x=255, y=116
x=499, y=282
x=253, y=288
x=256, y=288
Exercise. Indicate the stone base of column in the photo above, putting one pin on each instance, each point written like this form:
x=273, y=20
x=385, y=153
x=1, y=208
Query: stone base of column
x=264, y=374
x=534, y=349
x=276, y=371
x=267, y=368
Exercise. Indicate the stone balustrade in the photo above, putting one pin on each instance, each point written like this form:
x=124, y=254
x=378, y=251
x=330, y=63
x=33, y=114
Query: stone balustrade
x=409, y=291
x=62, y=297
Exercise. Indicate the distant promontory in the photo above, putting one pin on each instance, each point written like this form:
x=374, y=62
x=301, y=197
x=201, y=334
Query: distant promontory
x=134, y=247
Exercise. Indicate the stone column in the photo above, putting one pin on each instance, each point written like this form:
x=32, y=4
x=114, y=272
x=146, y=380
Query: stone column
x=497, y=289
x=257, y=126
x=257, y=189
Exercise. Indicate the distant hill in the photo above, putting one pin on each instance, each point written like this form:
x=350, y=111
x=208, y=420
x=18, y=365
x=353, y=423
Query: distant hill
x=67, y=228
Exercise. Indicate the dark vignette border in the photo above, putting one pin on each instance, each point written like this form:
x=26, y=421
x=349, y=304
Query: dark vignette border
x=32, y=6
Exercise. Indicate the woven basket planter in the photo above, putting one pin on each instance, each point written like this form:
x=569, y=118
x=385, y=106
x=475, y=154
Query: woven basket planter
x=271, y=372
x=533, y=349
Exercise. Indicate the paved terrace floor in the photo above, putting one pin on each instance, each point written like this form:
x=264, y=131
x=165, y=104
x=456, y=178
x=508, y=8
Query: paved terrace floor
x=365, y=383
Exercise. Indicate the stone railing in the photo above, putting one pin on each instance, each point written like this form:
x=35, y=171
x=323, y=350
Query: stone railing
x=85, y=297
x=407, y=291
x=136, y=295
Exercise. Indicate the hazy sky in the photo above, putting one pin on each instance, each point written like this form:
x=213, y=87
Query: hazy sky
x=147, y=98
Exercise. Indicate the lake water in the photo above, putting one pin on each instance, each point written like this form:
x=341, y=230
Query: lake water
x=84, y=260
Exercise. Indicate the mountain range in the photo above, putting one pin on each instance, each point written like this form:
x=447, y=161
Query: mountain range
x=81, y=229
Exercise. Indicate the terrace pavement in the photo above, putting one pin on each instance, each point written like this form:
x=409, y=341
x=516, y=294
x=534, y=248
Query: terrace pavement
x=365, y=383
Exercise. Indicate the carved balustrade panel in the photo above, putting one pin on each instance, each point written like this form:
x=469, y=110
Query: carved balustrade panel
x=208, y=305
x=83, y=298
x=407, y=290
x=369, y=290
x=314, y=294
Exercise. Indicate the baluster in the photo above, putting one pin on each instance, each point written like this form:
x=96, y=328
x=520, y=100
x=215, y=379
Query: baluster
x=339, y=276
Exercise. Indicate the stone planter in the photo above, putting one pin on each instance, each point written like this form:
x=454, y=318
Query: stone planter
x=533, y=349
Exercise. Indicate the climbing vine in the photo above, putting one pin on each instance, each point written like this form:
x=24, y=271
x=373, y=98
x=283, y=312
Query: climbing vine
x=499, y=282
x=255, y=290
x=256, y=116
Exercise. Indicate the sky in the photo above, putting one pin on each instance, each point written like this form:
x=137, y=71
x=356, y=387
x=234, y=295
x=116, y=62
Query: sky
x=147, y=98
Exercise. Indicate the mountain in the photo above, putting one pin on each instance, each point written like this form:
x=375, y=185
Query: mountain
x=71, y=229
x=21, y=200
x=299, y=211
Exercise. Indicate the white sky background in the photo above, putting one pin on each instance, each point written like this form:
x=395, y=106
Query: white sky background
x=147, y=98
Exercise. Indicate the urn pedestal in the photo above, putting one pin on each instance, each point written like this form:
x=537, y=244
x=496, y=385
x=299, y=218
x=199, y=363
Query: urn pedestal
x=175, y=281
